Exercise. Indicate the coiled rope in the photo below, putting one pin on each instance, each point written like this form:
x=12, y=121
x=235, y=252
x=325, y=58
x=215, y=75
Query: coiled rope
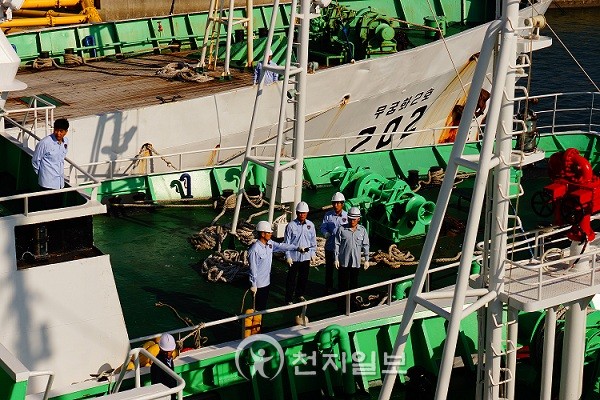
x=183, y=72
x=394, y=257
x=436, y=177
x=226, y=266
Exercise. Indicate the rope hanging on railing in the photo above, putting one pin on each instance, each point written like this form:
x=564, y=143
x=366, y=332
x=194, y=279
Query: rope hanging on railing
x=436, y=177
x=139, y=164
x=199, y=340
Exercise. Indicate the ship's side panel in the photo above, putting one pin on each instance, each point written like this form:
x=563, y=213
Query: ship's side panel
x=48, y=310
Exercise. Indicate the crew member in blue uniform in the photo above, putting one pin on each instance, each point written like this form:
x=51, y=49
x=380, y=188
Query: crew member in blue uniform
x=350, y=239
x=49, y=157
x=260, y=258
x=332, y=220
x=300, y=233
x=270, y=76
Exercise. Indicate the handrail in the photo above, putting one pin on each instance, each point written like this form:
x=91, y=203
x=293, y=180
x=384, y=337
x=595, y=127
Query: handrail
x=136, y=362
x=258, y=146
x=554, y=111
x=538, y=234
x=33, y=135
x=50, y=380
x=346, y=294
x=27, y=196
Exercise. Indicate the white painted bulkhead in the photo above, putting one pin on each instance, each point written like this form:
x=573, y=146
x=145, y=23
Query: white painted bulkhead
x=63, y=317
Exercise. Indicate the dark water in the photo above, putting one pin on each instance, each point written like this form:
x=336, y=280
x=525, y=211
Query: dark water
x=153, y=262
x=554, y=70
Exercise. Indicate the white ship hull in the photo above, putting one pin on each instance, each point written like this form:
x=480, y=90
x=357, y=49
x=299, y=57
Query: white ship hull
x=414, y=90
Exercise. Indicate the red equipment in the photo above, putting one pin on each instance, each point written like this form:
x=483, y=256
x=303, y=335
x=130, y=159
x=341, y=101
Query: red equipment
x=574, y=192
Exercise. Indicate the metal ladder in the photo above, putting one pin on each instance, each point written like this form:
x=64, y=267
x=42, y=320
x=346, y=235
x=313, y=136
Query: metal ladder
x=212, y=34
x=492, y=189
x=293, y=91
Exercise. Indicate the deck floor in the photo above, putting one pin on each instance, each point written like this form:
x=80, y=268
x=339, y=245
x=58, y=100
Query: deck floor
x=114, y=85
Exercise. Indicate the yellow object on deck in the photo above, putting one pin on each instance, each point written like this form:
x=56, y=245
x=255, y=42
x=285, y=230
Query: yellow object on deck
x=50, y=3
x=253, y=323
x=46, y=21
x=30, y=13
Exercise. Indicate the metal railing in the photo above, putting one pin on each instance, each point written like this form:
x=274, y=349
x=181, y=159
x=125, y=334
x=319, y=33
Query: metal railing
x=25, y=135
x=27, y=196
x=135, y=353
x=40, y=113
x=518, y=243
x=346, y=294
x=543, y=266
x=551, y=117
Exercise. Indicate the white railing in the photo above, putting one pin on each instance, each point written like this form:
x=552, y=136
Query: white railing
x=551, y=119
x=135, y=353
x=27, y=196
x=347, y=294
x=23, y=140
x=544, y=278
x=39, y=113
x=518, y=243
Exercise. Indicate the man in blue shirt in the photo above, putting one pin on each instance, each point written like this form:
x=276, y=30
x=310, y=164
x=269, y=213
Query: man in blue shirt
x=260, y=258
x=301, y=233
x=350, y=239
x=332, y=220
x=270, y=76
x=49, y=157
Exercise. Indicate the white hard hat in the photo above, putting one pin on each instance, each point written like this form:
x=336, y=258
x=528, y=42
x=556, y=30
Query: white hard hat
x=302, y=207
x=269, y=53
x=354, y=213
x=263, y=226
x=338, y=196
x=166, y=342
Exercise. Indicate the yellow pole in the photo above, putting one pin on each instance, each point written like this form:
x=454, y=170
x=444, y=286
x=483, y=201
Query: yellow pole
x=40, y=13
x=47, y=21
x=49, y=3
x=250, y=33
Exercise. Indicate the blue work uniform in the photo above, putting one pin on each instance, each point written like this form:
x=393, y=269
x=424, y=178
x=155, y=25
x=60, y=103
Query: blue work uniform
x=348, y=246
x=270, y=76
x=301, y=235
x=49, y=162
x=260, y=258
x=330, y=225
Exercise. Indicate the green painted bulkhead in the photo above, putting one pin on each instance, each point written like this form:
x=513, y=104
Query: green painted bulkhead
x=212, y=182
x=336, y=360
x=352, y=29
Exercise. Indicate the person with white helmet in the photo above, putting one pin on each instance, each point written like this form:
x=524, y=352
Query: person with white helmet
x=332, y=220
x=301, y=233
x=270, y=76
x=260, y=258
x=350, y=239
x=166, y=344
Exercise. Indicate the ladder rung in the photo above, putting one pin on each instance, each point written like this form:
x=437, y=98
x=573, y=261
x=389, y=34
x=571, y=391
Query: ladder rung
x=471, y=161
x=281, y=69
x=509, y=377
